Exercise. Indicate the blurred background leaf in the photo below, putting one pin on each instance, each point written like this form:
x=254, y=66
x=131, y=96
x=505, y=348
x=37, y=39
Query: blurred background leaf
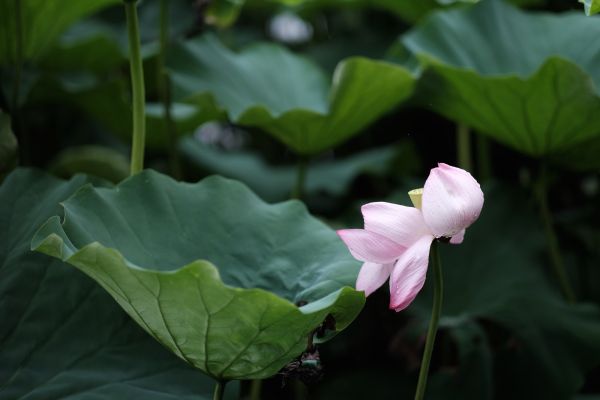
x=522, y=78
x=308, y=115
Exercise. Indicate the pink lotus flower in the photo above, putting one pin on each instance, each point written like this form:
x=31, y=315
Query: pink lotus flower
x=396, y=239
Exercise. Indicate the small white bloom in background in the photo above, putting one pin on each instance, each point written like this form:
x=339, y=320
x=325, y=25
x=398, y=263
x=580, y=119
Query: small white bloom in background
x=290, y=29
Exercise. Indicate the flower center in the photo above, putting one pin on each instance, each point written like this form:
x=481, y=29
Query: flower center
x=416, y=196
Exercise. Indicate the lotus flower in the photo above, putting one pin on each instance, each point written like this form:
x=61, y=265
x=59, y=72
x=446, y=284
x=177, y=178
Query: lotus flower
x=396, y=239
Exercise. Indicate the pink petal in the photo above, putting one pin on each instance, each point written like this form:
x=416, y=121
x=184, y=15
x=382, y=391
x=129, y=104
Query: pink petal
x=372, y=276
x=404, y=225
x=452, y=200
x=458, y=238
x=409, y=273
x=370, y=247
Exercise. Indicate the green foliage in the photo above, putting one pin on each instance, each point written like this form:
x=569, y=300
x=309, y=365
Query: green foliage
x=61, y=335
x=528, y=80
x=40, y=22
x=102, y=162
x=153, y=245
x=327, y=177
x=306, y=114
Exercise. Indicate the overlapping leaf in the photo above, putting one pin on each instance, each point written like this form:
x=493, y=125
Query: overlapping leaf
x=153, y=244
x=329, y=177
x=61, y=335
x=529, y=80
x=268, y=87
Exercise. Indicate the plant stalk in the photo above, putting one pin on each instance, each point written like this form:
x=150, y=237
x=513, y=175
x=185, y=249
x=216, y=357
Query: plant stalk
x=463, y=147
x=164, y=88
x=219, y=390
x=298, y=190
x=551, y=238
x=438, y=293
x=484, y=161
x=137, y=86
x=17, y=121
x=255, y=389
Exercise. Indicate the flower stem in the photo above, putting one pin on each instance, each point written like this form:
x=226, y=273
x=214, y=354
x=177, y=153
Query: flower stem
x=484, y=161
x=137, y=85
x=298, y=191
x=463, y=147
x=164, y=88
x=219, y=390
x=551, y=239
x=255, y=389
x=438, y=293
x=15, y=109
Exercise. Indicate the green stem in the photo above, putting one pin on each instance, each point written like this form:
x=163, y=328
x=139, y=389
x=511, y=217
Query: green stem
x=18, y=55
x=484, y=161
x=164, y=87
x=137, y=85
x=438, y=293
x=300, y=390
x=298, y=191
x=255, y=389
x=219, y=390
x=551, y=238
x=17, y=121
x=463, y=147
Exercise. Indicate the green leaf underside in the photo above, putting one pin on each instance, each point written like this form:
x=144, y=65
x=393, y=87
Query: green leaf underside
x=145, y=242
x=42, y=22
x=331, y=177
x=528, y=80
x=62, y=336
x=306, y=114
x=495, y=277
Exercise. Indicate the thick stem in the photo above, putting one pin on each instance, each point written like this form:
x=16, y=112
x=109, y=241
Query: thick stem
x=255, y=389
x=300, y=390
x=137, y=86
x=164, y=87
x=18, y=55
x=463, y=147
x=17, y=121
x=484, y=161
x=438, y=293
x=298, y=191
x=551, y=239
x=219, y=390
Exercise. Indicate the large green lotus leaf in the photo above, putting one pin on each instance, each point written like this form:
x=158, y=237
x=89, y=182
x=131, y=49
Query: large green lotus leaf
x=275, y=183
x=62, y=336
x=153, y=244
x=268, y=87
x=499, y=277
x=42, y=21
x=528, y=80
